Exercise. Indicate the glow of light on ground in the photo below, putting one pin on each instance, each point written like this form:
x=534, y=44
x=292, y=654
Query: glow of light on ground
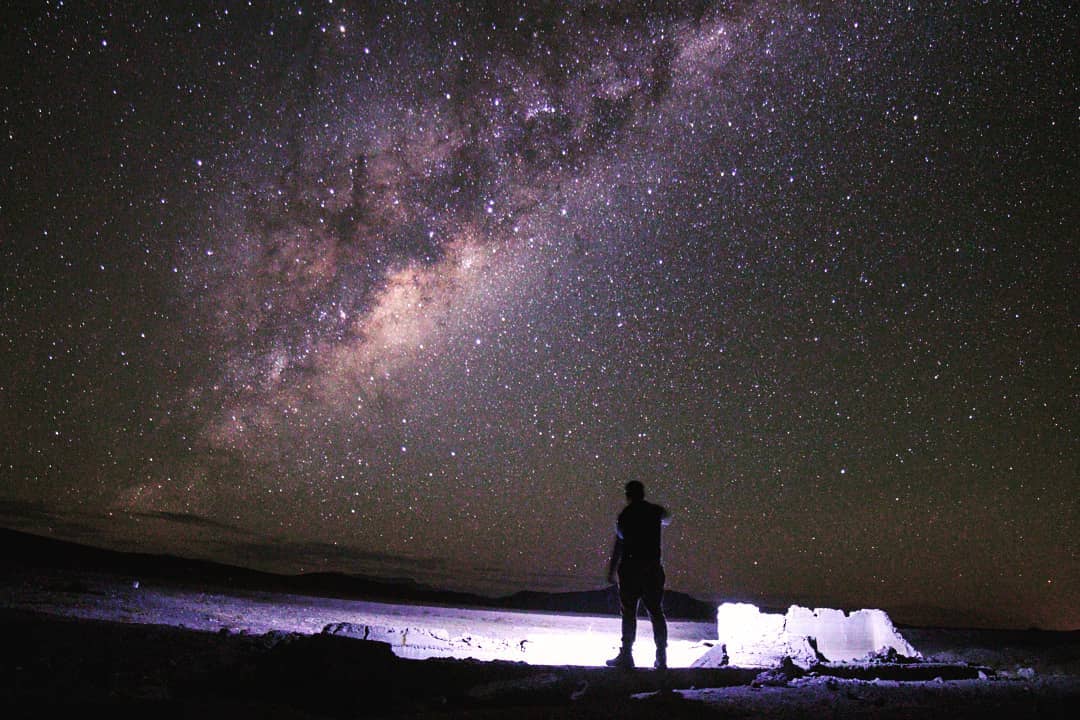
x=413, y=631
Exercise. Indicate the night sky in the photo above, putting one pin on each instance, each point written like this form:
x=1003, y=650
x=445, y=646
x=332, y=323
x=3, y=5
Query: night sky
x=414, y=289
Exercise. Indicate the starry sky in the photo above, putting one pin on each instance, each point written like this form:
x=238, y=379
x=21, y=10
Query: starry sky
x=412, y=289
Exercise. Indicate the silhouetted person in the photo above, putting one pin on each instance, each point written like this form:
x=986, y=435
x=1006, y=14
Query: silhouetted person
x=635, y=559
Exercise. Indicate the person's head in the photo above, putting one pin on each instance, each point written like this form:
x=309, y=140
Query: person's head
x=635, y=490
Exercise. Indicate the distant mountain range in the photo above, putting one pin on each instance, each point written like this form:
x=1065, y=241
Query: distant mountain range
x=25, y=551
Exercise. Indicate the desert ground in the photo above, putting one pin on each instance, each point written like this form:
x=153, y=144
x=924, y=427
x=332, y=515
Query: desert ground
x=77, y=642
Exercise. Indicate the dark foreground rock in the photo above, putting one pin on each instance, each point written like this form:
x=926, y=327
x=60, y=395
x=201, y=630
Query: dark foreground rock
x=58, y=667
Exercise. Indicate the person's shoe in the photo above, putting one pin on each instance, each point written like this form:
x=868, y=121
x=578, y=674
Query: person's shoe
x=661, y=659
x=623, y=660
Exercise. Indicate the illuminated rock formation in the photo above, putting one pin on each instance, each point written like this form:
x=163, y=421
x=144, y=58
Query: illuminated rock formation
x=751, y=638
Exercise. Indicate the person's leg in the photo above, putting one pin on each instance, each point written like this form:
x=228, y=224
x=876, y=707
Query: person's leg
x=629, y=595
x=652, y=597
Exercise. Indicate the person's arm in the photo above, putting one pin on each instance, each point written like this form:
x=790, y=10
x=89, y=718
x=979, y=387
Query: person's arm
x=613, y=564
x=665, y=516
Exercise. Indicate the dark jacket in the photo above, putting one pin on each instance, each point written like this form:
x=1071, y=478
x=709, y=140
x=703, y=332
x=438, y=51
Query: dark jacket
x=638, y=532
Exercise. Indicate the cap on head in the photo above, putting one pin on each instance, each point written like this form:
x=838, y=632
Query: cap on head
x=635, y=490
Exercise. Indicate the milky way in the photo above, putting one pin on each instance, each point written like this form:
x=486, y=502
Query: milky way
x=414, y=290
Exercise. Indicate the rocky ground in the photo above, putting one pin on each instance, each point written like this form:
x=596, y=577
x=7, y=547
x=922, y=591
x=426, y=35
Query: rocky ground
x=63, y=655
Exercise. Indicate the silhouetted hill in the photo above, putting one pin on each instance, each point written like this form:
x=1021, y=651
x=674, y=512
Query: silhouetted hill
x=606, y=601
x=25, y=551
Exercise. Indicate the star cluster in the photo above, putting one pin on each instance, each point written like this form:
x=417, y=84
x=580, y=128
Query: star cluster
x=414, y=288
